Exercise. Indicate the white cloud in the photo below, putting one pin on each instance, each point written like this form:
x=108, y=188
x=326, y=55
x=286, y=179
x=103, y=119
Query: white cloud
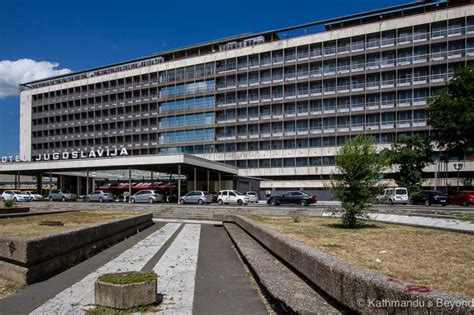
x=24, y=70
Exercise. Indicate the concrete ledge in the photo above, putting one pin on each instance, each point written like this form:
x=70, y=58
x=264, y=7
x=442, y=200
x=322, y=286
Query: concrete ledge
x=13, y=210
x=350, y=285
x=30, y=260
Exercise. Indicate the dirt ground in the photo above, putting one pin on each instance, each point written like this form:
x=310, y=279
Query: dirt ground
x=29, y=226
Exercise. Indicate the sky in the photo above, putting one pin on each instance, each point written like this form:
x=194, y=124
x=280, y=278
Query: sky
x=44, y=38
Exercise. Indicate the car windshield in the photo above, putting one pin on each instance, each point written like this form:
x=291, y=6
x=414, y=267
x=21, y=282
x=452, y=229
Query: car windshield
x=401, y=191
x=66, y=192
x=251, y=193
x=17, y=192
x=238, y=193
x=206, y=193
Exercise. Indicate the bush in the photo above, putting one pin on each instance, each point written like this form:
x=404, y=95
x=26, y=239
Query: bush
x=8, y=203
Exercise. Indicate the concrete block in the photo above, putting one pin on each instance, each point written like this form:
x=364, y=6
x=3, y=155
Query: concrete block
x=125, y=296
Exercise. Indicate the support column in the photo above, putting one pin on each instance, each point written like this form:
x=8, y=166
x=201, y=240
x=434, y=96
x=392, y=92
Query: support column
x=39, y=184
x=129, y=182
x=78, y=183
x=16, y=183
x=50, y=180
x=87, y=182
x=208, y=188
x=19, y=180
x=219, y=183
x=179, y=182
x=194, y=179
x=151, y=176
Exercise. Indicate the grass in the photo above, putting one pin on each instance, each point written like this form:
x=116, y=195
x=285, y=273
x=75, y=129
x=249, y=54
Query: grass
x=128, y=277
x=29, y=227
x=439, y=259
x=468, y=216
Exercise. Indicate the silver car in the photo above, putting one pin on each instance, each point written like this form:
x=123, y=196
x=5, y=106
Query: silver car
x=150, y=196
x=62, y=195
x=34, y=196
x=100, y=196
x=253, y=196
x=199, y=197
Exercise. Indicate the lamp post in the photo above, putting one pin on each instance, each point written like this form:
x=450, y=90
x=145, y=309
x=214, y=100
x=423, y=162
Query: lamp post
x=458, y=167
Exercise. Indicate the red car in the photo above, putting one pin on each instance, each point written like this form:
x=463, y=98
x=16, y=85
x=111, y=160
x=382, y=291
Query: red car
x=464, y=198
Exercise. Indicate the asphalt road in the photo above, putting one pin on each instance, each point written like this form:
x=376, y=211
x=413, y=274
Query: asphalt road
x=320, y=205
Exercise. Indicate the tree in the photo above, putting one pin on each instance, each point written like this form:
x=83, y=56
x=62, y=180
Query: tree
x=357, y=177
x=411, y=154
x=451, y=113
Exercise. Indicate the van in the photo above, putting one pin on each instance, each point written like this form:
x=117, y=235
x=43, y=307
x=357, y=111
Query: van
x=396, y=195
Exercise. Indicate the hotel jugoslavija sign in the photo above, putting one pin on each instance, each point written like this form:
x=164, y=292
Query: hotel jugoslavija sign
x=69, y=155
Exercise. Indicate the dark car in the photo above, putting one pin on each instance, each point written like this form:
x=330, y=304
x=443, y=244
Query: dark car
x=292, y=197
x=464, y=198
x=429, y=197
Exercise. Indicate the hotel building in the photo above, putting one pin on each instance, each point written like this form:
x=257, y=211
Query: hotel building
x=276, y=105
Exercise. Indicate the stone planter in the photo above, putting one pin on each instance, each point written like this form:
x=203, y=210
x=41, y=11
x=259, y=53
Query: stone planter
x=125, y=296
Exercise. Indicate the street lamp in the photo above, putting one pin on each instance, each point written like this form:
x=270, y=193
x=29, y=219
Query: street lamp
x=458, y=167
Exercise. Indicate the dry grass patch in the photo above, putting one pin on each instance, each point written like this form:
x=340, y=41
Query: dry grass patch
x=28, y=226
x=439, y=259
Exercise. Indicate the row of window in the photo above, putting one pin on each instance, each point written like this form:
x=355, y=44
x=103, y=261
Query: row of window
x=308, y=107
x=147, y=141
x=415, y=118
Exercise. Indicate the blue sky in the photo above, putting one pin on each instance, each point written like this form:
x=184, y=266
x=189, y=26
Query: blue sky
x=87, y=33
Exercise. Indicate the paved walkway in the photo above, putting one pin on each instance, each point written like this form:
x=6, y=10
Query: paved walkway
x=451, y=224
x=198, y=273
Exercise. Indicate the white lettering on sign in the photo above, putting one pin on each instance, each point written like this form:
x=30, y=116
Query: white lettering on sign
x=92, y=154
x=68, y=155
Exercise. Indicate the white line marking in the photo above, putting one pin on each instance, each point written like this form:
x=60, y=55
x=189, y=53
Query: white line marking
x=176, y=272
x=77, y=297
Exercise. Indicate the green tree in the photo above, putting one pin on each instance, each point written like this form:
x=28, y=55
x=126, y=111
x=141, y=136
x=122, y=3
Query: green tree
x=356, y=178
x=451, y=113
x=411, y=154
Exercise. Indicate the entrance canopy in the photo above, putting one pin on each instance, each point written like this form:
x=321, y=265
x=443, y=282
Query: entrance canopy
x=188, y=164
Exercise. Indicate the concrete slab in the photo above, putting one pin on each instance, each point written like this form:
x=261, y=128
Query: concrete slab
x=222, y=286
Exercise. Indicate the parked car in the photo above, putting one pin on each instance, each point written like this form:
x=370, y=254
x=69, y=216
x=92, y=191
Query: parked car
x=15, y=195
x=146, y=195
x=34, y=196
x=464, y=198
x=232, y=196
x=253, y=196
x=397, y=195
x=100, y=196
x=62, y=195
x=297, y=197
x=215, y=195
x=429, y=197
x=199, y=197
